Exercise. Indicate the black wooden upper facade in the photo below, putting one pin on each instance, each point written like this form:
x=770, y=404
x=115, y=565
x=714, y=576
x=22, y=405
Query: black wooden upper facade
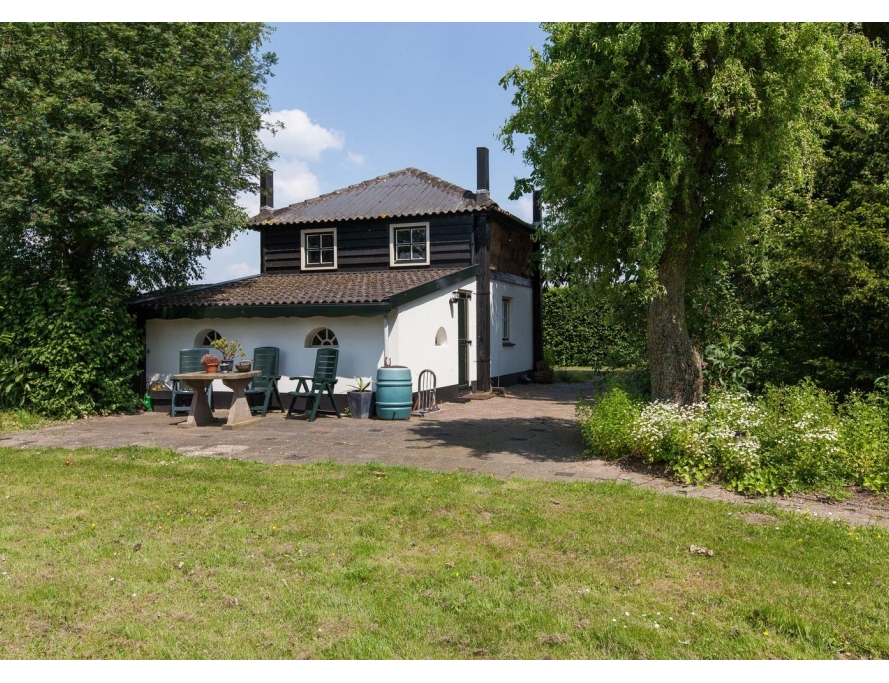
x=404, y=220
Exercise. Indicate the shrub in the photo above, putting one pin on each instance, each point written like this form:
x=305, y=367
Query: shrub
x=865, y=438
x=800, y=438
x=73, y=353
x=789, y=439
x=607, y=424
x=581, y=329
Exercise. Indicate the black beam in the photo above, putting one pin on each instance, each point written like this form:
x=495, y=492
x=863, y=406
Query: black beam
x=537, y=286
x=483, y=304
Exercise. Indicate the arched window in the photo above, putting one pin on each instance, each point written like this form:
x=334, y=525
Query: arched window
x=206, y=337
x=321, y=337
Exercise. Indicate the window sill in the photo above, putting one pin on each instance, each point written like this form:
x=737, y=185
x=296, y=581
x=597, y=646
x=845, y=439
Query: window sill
x=507, y=343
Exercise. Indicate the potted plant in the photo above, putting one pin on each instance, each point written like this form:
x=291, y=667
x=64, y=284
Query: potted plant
x=230, y=349
x=360, y=398
x=210, y=361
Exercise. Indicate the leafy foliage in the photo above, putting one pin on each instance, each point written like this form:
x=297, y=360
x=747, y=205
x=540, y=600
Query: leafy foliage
x=725, y=366
x=122, y=150
x=124, y=145
x=229, y=348
x=582, y=329
x=656, y=144
x=795, y=438
x=77, y=350
x=808, y=294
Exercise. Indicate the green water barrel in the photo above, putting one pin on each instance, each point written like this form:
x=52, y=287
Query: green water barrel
x=394, y=393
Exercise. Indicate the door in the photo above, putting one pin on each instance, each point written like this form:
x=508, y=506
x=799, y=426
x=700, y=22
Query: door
x=463, y=344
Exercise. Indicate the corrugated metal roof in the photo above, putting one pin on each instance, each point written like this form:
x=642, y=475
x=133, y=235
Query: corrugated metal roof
x=302, y=288
x=409, y=192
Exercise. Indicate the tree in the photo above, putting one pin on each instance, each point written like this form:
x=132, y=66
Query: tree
x=826, y=299
x=122, y=150
x=123, y=146
x=655, y=144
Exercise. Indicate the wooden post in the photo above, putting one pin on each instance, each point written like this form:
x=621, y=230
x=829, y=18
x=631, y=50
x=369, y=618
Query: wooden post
x=537, y=279
x=483, y=304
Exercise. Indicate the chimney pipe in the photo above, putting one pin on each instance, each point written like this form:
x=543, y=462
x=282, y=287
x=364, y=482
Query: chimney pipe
x=267, y=190
x=535, y=207
x=483, y=181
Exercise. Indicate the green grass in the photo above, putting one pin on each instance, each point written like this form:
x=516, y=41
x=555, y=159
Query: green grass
x=16, y=420
x=136, y=553
x=575, y=375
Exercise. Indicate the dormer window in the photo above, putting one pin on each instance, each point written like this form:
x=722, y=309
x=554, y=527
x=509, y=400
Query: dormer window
x=409, y=244
x=319, y=249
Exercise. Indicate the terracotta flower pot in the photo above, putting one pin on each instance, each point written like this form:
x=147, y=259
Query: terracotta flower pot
x=211, y=368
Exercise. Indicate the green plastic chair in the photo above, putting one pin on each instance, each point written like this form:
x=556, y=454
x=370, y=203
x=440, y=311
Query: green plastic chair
x=189, y=361
x=323, y=381
x=265, y=359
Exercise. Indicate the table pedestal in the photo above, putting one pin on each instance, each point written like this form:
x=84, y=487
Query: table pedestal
x=200, y=415
x=239, y=414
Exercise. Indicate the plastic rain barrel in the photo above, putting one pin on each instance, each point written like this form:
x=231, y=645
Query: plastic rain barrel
x=394, y=393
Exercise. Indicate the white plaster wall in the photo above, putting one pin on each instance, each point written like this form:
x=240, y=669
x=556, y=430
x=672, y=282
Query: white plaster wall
x=413, y=331
x=506, y=360
x=360, y=344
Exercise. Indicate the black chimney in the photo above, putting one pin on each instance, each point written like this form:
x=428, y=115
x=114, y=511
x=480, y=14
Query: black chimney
x=535, y=207
x=483, y=181
x=267, y=190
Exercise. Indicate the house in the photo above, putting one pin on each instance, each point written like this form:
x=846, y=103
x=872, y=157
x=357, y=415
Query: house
x=404, y=269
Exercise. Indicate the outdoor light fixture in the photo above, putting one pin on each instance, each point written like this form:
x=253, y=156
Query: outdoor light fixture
x=459, y=295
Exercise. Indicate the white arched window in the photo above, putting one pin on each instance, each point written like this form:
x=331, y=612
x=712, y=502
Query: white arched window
x=206, y=337
x=322, y=336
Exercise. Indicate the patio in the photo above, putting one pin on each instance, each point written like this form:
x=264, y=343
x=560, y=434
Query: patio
x=530, y=433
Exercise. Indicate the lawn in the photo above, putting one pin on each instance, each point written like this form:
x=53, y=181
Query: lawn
x=137, y=553
x=15, y=420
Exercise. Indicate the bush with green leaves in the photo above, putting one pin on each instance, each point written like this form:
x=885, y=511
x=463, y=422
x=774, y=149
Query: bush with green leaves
x=76, y=353
x=584, y=329
x=796, y=438
x=604, y=423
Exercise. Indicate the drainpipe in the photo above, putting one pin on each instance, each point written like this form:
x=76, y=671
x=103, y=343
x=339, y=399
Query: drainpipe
x=387, y=361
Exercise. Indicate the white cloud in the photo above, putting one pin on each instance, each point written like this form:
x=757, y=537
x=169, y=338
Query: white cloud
x=300, y=138
x=236, y=270
x=523, y=207
x=355, y=159
x=294, y=182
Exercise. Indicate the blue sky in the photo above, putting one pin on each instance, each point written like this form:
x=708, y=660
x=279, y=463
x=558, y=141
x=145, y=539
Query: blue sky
x=362, y=100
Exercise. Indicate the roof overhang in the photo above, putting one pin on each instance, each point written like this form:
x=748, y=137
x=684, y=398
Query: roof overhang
x=329, y=310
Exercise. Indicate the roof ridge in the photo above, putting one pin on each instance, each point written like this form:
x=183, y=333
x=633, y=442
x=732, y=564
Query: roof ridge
x=434, y=180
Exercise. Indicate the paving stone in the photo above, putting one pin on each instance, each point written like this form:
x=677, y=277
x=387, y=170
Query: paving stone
x=531, y=432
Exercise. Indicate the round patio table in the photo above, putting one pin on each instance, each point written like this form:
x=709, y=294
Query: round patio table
x=200, y=415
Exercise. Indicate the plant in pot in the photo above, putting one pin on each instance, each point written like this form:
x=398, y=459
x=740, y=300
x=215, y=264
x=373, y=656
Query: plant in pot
x=210, y=361
x=230, y=349
x=360, y=398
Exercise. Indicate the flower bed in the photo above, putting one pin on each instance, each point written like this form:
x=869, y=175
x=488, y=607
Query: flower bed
x=796, y=438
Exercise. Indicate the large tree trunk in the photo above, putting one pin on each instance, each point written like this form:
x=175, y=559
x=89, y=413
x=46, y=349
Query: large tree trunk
x=675, y=364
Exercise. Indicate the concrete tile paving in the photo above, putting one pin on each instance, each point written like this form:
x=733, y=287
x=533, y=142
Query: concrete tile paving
x=531, y=432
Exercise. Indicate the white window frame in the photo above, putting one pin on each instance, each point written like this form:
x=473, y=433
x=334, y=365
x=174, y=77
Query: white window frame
x=302, y=248
x=406, y=226
x=505, y=315
x=310, y=338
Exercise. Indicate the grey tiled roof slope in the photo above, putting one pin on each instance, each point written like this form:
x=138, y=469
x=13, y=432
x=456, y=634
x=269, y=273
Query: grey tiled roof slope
x=302, y=288
x=409, y=192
